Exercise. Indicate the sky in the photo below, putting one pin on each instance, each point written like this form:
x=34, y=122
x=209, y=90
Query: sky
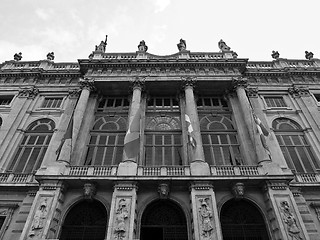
x=71, y=28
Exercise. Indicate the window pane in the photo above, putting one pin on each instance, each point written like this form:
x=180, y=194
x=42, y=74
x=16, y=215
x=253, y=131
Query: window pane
x=118, y=157
x=207, y=155
x=158, y=156
x=32, y=160
x=168, y=155
x=148, y=156
x=22, y=161
x=295, y=159
x=99, y=156
x=109, y=156
x=218, y=159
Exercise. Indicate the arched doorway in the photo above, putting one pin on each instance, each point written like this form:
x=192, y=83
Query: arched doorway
x=163, y=220
x=87, y=220
x=241, y=220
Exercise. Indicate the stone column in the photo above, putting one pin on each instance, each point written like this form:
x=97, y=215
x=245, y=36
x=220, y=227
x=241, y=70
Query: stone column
x=206, y=223
x=240, y=85
x=45, y=214
x=198, y=165
x=122, y=219
x=86, y=86
x=285, y=220
x=129, y=165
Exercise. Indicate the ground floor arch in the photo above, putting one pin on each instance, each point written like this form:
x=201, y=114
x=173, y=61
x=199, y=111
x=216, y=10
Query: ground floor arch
x=163, y=220
x=86, y=220
x=242, y=220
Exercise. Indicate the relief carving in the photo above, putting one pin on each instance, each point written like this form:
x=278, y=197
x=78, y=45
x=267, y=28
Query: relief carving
x=163, y=190
x=238, y=190
x=122, y=214
x=205, y=217
x=30, y=92
x=39, y=219
x=289, y=219
x=89, y=190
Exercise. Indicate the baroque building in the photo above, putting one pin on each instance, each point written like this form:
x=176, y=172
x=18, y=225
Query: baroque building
x=193, y=145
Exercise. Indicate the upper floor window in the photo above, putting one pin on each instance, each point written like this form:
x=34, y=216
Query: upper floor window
x=275, y=101
x=106, y=141
x=113, y=103
x=219, y=139
x=52, y=102
x=294, y=146
x=163, y=143
x=212, y=102
x=5, y=100
x=33, y=146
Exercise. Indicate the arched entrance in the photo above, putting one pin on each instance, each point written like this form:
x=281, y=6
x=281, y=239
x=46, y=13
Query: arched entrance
x=241, y=220
x=86, y=220
x=163, y=220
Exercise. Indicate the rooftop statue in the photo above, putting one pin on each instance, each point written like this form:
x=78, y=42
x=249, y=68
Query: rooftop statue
x=142, y=46
x=275, y=54
x=102, y=46
x=223, y=46
x=17, y=56
x=309, y=55
x=182, y=45
x=50, y=56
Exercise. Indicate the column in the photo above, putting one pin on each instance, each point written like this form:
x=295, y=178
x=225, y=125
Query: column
x=205, y=212
x=285, y=220
x=123, y=212
x=198, y=166
x=86, y=86
x=240, y=85
x=129, y=165
x=45, y=214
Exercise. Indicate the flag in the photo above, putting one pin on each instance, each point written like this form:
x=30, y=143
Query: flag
x=65, y=147
x=132, y=138
x=191, y=137
x=263, y=132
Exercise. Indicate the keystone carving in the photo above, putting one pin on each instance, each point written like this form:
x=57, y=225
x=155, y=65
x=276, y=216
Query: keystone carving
x=238, y=190
x=163, y=190
x=89, y=190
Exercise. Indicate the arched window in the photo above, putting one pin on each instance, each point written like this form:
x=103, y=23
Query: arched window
x=219, y=139
x=107, y=140
x=33, y=146
x=294, y=146
x=240, y=220
x=163, y=219
x=87, y=220
x=163, y=143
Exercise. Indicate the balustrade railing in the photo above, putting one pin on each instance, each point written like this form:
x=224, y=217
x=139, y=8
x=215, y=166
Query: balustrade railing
x=16, y=178
x=308, y=177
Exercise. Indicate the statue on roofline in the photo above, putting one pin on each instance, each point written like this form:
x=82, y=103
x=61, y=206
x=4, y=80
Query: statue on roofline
x=182, y=45
x=142, y=47
x=102, y=46
x=223, y=46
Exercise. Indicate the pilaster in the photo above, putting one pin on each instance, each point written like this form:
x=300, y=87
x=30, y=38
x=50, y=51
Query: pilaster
x=206, y=223
x=283, y=212
x=44, y=217
x=123, y=212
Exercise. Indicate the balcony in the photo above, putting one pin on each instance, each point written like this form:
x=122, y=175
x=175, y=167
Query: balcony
x=16, y=178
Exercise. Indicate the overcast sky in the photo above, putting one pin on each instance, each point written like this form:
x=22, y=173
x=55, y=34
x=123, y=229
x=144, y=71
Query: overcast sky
x=71, y=28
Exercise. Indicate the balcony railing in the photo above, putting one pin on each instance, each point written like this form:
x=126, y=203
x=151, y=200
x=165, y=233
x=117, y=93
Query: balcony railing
x=16, y=178
x=91, y=171
x=307, y=177
x=236, y=170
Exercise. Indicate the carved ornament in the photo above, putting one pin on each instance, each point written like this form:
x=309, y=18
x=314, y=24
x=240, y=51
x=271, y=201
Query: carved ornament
x=182, y=45
x=89, y=190
x=238, y=190
x=50, y=56
x=121, y=219
x=138, y=83
x=316, y=206
x=223, y=46
x=239, y=82
x=299, y=91
x=29, y=92
x=163, y=190
x=205, y=218
x=142, y=47
x=308, y=55
x=290, y=221
x=74, y=93
x=252, y=91
x=275, y=55
x=188, y=82
x=17, y=56
x=39, y=219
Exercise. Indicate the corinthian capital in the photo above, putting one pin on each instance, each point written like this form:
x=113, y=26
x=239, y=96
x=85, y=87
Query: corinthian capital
x=29, y=92
x=87, y=83
x=138, y=82
x=298, y=91
x=239, y=82
x=188, y=82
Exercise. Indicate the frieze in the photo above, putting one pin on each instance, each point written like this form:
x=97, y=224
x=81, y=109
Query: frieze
x=125, y=187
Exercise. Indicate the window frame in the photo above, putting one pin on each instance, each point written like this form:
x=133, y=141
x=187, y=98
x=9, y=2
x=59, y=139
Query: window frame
x=287, y=107
x=4, y=95
x=43, y=98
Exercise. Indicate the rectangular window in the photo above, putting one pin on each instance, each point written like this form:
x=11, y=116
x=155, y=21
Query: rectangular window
x=211, y=102
x=163, y=104
x=5, y=100
x=119, y=103
x=275, y=102
x=52, y=102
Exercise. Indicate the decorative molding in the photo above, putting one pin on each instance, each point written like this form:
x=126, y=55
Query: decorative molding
x=138, y=83
x=32, y=193
x=299, y=91
x=201, y=186
x=276, y=185
x=289, y=220
x=252, y=91
x=239, y=82
x=188, y=82
x=126, y=186
x=29, y=92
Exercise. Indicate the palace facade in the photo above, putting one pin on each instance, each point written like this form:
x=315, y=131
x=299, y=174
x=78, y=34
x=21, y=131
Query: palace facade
x=128, y=146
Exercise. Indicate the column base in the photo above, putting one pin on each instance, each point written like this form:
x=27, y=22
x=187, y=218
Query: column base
x=127, y=168
x=199, y=167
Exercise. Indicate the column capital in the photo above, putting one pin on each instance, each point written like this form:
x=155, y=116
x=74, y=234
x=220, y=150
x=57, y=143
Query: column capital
x=299, y=91
x=138, y=82
x=239, y=82
x=29, y=92
x=252, y=91
x=74, y=92
x=87, y=83
x=188, y=82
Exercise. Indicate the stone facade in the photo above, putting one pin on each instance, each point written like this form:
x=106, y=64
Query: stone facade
x=133, y=145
